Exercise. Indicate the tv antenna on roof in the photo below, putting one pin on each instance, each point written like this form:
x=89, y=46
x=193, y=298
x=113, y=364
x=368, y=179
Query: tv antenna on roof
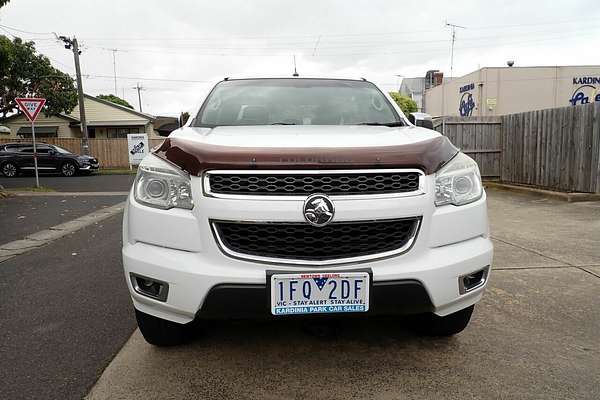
x=453, y=26
x=295, y=71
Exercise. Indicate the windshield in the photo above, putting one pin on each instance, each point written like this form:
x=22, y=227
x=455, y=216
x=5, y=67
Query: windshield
x=61, y=150
x=296, y=102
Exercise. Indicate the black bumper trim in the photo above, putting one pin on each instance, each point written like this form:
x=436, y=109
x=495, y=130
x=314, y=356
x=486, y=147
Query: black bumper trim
x=241, y=301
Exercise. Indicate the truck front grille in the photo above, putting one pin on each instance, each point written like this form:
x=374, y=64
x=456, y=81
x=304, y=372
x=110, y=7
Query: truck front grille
x=303, y=243
x=331, y=183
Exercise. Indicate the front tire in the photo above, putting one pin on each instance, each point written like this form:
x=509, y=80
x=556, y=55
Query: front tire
x=68, y=169
x=160, y=332
x=434, y=325
x=10, y=170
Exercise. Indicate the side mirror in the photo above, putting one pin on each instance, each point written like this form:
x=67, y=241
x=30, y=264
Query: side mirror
x=52, y=152
x=421, y=119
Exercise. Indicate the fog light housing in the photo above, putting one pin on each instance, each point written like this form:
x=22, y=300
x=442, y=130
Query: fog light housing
x=149, y=287
x=472, y=281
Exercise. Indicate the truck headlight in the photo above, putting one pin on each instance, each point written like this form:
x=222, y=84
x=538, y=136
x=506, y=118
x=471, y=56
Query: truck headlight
x=458, y=182
x=159, y=184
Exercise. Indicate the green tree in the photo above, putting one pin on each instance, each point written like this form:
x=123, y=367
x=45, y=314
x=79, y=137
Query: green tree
x=406, y=104
x=114, y=99
x=24, y=73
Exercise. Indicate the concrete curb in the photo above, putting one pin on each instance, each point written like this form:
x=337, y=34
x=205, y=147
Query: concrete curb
x=570, y=197
x=58, y=194
x=46, y=236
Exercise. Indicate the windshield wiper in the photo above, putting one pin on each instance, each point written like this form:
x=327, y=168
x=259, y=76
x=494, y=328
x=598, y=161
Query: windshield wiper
x=283, y=123
x=390, y=124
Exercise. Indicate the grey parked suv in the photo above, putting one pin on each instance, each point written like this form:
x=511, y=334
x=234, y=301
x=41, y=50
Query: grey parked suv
x=18, y=157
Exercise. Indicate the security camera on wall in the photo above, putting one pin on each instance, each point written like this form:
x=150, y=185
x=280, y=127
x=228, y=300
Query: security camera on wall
x=510, y=63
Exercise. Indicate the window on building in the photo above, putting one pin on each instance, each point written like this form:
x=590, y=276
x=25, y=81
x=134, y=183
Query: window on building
x=121, y=133
x=40, y=131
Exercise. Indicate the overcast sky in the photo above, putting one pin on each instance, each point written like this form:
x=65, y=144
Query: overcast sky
x=178, y=49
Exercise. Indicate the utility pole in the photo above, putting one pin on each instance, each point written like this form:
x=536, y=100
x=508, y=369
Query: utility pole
x=139, y=89
x=453, y=26
x=114, y=51
x=295, y=74
x=71, y=44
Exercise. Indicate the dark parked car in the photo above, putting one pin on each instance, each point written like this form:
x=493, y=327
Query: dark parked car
x=18, y=157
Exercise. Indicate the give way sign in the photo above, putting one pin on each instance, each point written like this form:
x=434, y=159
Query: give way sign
x=31, y=106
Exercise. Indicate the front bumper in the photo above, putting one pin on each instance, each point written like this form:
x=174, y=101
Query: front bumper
x=89, y=167
x=177, y=247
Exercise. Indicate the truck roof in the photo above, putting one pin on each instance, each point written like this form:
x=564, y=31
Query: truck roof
x=228, y=78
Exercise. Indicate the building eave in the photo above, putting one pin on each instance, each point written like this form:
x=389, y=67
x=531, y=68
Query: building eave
x=149, y=117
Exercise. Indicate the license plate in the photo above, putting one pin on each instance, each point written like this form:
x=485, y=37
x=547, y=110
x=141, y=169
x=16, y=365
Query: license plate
x=319, y=293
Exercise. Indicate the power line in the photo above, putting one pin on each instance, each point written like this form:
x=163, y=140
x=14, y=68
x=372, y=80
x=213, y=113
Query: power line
x=146, y=79
x=262, y=37
x=23, y=31
x=7, y=32
x=288, y=52
x=311, y=47
x=380, y=83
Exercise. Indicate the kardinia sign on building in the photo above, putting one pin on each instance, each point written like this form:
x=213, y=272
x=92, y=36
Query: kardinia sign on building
x=588, y=90
x=500, y=91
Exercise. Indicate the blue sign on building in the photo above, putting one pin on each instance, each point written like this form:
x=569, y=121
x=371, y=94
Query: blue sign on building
x=467, y=103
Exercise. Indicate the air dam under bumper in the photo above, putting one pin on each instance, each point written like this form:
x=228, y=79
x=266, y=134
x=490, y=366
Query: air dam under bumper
x=192, y=276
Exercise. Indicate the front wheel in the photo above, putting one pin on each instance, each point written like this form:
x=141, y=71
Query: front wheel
x=434, y=325
x=68, y=169
x=160, y=332
x=10, y=170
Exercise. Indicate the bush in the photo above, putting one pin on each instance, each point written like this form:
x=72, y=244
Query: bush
x=406, y=104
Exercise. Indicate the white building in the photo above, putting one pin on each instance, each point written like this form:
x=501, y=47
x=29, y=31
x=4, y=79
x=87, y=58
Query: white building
x=506, y=90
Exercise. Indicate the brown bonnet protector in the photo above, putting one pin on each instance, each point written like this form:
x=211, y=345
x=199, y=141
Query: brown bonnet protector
x=195, y=158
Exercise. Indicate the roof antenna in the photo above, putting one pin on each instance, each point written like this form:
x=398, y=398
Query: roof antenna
x=295, y=71
x=453, y=26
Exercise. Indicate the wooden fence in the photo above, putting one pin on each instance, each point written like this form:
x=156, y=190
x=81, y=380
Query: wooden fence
x=479, y=137
x=112, y=153
x=558, y=148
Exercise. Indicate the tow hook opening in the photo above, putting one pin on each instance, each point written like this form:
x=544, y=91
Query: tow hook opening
x=149, y=287
x=474, y=280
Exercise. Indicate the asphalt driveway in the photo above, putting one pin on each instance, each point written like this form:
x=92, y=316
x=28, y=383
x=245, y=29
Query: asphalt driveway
x=22, y=216
x=64, y=314
x=67, y=322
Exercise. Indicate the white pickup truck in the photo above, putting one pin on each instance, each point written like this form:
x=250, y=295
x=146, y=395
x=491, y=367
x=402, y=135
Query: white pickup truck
x=288, y=197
